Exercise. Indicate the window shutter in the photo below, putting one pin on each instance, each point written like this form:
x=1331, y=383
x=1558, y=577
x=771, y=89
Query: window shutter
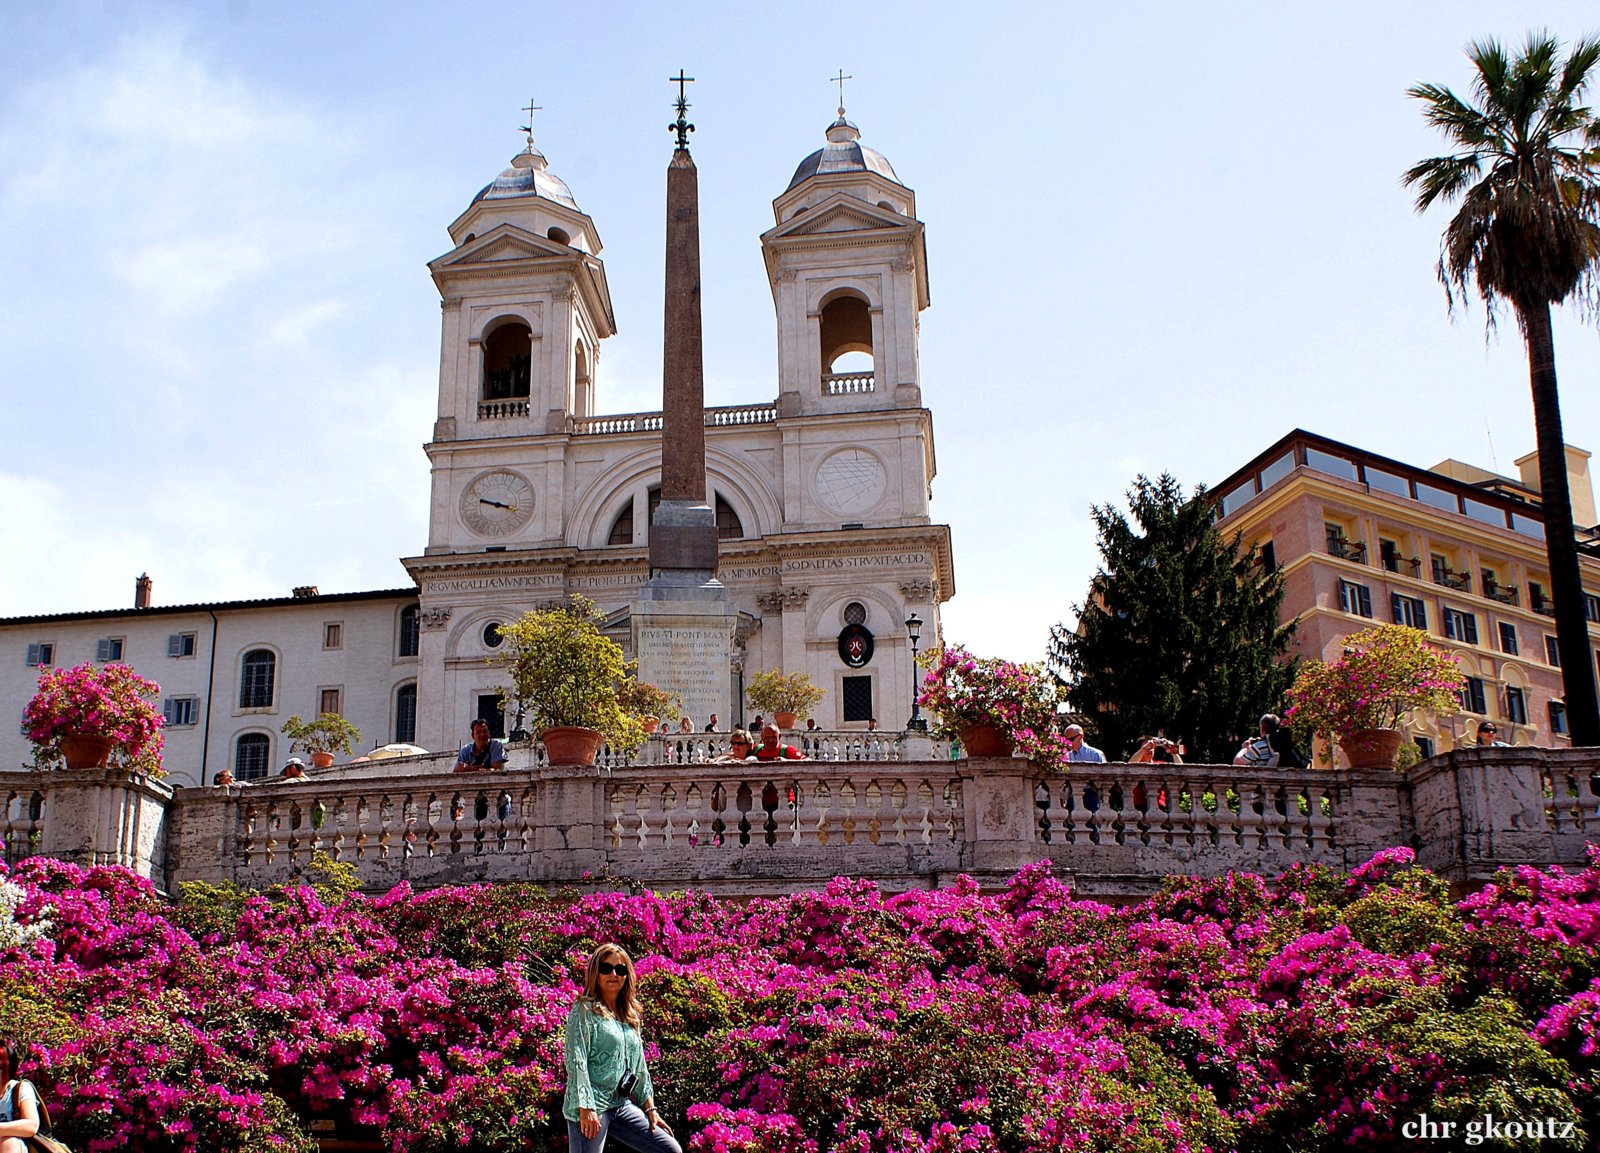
x=175, y=645
x=1366, y=600
x=102, y=650
x=33, y=654
x=1394, y=608
x=169, y=711
x=1421, y=607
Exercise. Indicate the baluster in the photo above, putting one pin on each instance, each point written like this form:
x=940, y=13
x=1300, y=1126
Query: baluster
x=924, y=824
x=249, y=816
x=897, y=801
x=271, y=817
x=639, y=802
x=1319, y=825
x=744, y=801
x=1225, y=828
x=1249, y=820
x=874, y=810
x=823, y=826
x=697, y=813
x=847, y=801
x=458, y=812
x=1588, y=816
x=668, y=798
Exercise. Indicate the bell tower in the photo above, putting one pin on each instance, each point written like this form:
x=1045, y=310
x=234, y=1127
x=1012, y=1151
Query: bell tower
x=847, y=263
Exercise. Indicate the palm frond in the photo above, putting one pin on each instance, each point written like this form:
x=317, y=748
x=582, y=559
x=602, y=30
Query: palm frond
x=1443, y=176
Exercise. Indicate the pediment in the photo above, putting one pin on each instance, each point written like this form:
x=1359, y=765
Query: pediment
x=841, y=214
x=505, y=242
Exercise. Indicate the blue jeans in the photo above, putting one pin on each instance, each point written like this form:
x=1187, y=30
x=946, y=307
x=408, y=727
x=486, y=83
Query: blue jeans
x=629, y=1125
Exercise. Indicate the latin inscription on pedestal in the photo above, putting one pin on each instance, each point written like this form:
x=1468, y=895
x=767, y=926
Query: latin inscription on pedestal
x=689, y=657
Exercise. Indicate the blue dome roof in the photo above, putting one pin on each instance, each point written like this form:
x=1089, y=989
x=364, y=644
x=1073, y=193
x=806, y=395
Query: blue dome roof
x=844, y=152
x=529, y=175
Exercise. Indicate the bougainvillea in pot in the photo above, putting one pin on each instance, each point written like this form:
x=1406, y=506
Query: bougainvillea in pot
x=966, y=692
x=109, y=702
x=1386, y=673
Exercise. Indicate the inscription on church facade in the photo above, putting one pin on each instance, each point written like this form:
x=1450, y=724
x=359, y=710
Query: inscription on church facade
x=472, y=584
x=691, y=661
x=884, y=560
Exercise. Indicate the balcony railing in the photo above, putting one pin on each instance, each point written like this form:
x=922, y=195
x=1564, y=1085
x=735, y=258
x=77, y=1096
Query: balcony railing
x=1544, y=606
x=1460, y=581
x=503, y=409
x=1395, y=563
x=1346, y=549
x=721, y=417
x=1505, y=594
x=847, y=383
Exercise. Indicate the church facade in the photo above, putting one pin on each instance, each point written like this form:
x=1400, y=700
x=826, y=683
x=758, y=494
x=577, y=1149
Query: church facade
x=821, y=493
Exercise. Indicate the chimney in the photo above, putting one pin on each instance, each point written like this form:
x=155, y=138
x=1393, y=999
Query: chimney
x=1578, y=482
x=303, y=592
x=141, y=591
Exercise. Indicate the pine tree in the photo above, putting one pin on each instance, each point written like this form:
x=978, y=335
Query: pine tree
x=1180, y=635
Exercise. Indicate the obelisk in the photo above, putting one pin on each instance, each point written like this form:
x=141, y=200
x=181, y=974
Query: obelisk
x=683, y=621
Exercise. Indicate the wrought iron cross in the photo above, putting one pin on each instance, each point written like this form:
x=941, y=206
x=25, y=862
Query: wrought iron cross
x=530, y=108
x=681, y=126
x=841, y=78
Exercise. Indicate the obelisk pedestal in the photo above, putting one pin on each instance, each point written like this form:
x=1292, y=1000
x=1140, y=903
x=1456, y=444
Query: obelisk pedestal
x=683, y=621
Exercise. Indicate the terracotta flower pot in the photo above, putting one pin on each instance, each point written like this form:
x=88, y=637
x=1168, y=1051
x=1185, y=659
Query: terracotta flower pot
x=566, y=745
x=785, y=719
x=986, y=741
x=321, y=760
x=85, y=752
x=1372, y=748
x=651, y=724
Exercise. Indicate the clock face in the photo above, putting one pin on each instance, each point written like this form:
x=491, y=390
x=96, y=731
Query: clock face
x=851, y=480
x=497, y=503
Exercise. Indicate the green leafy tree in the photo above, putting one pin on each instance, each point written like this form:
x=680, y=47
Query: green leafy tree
x=1527, y=178
x=1180, y=634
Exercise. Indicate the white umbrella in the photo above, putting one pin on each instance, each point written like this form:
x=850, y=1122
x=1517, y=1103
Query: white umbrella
x=400, y=750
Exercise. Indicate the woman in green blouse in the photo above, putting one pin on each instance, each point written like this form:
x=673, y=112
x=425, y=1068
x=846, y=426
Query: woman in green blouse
x=604, y=1048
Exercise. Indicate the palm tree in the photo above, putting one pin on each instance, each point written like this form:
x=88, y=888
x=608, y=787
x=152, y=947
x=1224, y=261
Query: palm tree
x=1527, y=232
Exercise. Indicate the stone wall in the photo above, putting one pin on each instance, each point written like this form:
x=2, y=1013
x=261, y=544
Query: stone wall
x=745, y=829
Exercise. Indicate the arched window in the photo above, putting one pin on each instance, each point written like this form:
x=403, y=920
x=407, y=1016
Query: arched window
x=410, y=630
x=622, y=527
x=846, y=328
x=405, y=713
x=728, y=526
x=250, y=756
x=507, y=355
x=256, y=677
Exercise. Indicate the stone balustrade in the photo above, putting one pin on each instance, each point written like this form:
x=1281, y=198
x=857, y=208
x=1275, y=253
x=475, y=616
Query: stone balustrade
x=719, y=417
x=848, y=383
x=763, y=827
x=503, y=409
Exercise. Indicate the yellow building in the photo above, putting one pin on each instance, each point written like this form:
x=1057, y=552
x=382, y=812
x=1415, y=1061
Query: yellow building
x=1454, y=550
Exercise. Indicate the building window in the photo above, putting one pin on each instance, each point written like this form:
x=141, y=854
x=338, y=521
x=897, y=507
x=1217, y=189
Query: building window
x=329, y=700
x=1552, y=651
x=1341, y=546
x=492, y=637
x=333, y=635
x=856, y=695
x=1354, y=598
x=1409, y=611
x=1558, y=718
x=507, y=358
x=493, y=711
x=108, y=649
x=622, y=527
x=728, y=524
x=1591, y=608
x=250, y=756
x=1460, y=626
x=1472, y=698
x=180, y=644
x=41, y=654
x=1424, y=746
x=855, y=613
x=410, y=630
x=405, y=714
x=256, y=679
x=181, y=711
x=1268, y=557
x=1516, y=706
x=1508, y=638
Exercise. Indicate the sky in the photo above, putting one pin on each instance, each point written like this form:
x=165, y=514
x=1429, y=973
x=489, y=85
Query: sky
x=1159, y=236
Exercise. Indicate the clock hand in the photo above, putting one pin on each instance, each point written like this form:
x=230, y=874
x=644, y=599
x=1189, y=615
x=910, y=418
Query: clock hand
x=497, y=504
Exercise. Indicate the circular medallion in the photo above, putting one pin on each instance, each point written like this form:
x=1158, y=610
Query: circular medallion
x=497, y=503
x=851, y=481
x=855, y=645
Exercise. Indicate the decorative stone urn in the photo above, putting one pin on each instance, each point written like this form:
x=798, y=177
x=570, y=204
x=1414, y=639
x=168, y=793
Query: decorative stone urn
x=568, y=745
x=1372, y=748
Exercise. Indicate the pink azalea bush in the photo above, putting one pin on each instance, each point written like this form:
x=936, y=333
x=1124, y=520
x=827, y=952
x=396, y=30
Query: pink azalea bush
x=1315, y=1011
x=1019, y=700
x=108, y=701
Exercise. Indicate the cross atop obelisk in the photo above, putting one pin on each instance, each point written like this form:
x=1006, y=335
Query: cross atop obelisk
x=683, y=537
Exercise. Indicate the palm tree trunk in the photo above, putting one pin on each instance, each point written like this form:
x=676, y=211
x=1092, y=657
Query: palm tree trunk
x=1566, y=583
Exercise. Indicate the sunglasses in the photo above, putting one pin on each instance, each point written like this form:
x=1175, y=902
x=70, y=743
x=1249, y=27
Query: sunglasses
x=740, y=744
x=606, y=968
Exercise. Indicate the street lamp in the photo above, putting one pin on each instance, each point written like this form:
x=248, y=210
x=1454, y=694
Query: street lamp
x=914, y=631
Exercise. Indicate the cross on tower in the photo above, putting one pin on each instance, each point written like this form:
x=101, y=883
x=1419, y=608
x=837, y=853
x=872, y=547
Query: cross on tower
x=840, y=79
x=681, y=125
x=530, y=108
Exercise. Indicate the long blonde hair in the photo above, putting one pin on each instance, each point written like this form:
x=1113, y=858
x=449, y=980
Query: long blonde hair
x=629, y=1006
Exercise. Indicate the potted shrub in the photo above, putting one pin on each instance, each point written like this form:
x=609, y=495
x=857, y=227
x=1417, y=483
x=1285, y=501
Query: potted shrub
x=993, y=706
x=571, y=677
x=653, y=705
x=1360, y=700
x=322, y=737
x=95, y=716
x=788, y=697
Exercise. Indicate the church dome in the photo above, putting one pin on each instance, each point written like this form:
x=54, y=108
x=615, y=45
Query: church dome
x=529, y=175
x=844, y=152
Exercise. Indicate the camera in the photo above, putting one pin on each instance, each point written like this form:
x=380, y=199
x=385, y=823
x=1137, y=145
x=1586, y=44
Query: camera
x=625, y=1086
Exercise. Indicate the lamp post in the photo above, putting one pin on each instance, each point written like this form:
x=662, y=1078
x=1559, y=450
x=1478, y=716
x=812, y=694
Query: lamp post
x=914, y=631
